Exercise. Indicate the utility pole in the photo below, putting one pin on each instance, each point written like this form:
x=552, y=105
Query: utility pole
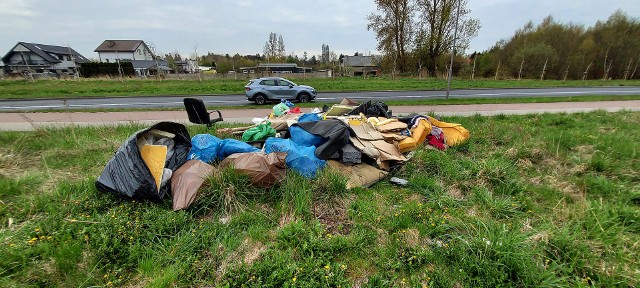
x=75, y=65
x=453, y=50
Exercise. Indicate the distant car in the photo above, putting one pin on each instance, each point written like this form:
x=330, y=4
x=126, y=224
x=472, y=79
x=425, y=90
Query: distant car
x=267, y=89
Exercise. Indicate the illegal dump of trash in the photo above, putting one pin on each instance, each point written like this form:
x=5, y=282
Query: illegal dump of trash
x=362, y=141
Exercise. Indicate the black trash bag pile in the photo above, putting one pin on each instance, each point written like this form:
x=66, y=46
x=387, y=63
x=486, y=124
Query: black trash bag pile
x=126, y=174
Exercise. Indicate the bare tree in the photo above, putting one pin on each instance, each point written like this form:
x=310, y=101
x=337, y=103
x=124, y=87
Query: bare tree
x=544, y=69
x=394, y=29
x=280, y=47
x=437, y=27
x=586, y=71
x=195, y=52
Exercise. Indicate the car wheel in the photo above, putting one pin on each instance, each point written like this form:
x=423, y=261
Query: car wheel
x=260, y=99
x=304, y=97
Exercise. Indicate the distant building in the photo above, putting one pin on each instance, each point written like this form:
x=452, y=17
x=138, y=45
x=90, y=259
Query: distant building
x=187, y=66
x=150, y=67
x=114, y=50
x=40, y=58
x=135, y=51
x=359, y=65
x=275, y=68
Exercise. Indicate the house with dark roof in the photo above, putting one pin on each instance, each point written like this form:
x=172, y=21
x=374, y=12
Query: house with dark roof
x=359, y=65
x=41, y=58
x=135, y=51
x=150, y=67
x=114, y=50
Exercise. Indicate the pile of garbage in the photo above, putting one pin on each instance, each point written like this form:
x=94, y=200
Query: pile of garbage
x=362, y=141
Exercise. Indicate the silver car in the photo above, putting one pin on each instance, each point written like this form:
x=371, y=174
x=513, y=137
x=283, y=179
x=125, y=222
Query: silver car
x=267, y=89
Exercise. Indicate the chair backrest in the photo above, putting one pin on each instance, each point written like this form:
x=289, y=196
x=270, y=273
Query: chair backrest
x=197, y=111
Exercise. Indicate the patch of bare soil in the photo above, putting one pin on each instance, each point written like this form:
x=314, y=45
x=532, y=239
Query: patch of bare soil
x=14, y=165
x=455, y=192
x=246, y=253
x=333, y=215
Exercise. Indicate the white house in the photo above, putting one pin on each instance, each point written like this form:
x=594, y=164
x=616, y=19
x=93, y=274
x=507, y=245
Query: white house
x=114, y=50
x=41, y=58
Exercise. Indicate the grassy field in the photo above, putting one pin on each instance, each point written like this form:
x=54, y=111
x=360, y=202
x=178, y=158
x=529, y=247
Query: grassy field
x=547, y=200
x=24, y=89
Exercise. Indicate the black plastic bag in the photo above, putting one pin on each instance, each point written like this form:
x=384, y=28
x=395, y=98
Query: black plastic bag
x=126, y=174
x=369, y=109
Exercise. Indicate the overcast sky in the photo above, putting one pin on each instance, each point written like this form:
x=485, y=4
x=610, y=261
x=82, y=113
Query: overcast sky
x=243, y=26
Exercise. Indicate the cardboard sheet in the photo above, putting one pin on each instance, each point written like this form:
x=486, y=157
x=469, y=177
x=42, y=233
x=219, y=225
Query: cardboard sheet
x=390, y=137
x=392, y=126
x=366, y=132
x=339, y=110
x=360, y=175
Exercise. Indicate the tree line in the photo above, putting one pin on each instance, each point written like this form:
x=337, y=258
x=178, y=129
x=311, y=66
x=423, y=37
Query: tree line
x=273, y=52
x=551, y=50
x=417, y=36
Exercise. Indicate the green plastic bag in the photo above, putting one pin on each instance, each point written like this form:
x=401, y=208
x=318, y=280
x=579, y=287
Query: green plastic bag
x=280, y=109
x=259, y=132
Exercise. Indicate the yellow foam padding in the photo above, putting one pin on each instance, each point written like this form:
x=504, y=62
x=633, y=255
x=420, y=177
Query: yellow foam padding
x=154, y=156
x=420, y=132
x=406, y=145
x=453, y=133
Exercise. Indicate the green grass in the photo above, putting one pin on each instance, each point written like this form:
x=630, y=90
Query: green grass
x=547, y=200
x=24, y=89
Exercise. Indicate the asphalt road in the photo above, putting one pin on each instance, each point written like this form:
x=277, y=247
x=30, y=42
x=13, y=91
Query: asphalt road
x=235, y=100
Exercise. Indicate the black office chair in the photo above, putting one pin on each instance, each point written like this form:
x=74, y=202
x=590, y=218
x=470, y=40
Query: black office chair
x=198, y=113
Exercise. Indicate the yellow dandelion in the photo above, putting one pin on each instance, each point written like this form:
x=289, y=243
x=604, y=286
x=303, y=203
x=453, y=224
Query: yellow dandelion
x=343, y=267
x=293, y=279
x=109, y=283
x=34, y=239
x=49, y=237
x=11, y=244
x=327, y=267
x=37, y=230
